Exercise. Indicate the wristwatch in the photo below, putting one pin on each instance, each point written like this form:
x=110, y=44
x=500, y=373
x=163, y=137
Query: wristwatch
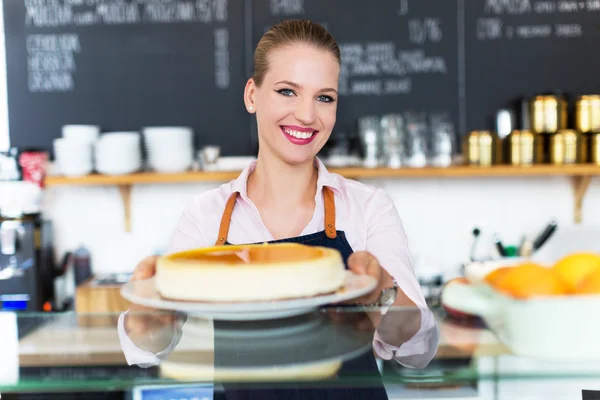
x=387, y=297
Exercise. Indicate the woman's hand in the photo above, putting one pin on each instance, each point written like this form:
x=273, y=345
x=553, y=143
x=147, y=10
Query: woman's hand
x=145, y=269
x=364, y=263
x=399, y=324
x=151, y=329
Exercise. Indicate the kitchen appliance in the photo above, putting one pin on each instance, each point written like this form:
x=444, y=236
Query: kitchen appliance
x=568, y=147
x=9, y=167
x=27, y=269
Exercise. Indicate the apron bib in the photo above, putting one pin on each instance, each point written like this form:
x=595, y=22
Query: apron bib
x=360, y=367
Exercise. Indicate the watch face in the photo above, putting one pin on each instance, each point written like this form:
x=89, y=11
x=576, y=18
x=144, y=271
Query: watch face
x=388, y=296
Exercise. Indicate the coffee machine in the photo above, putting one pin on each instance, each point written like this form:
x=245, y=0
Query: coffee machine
x=27, y=268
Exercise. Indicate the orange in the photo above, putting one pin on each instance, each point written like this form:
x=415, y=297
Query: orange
x=590, y=284
x=528, y=280
x=496, y=275
x=575, y=267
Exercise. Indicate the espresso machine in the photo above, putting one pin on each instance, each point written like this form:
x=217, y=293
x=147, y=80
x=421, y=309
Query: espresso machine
x=27, y=268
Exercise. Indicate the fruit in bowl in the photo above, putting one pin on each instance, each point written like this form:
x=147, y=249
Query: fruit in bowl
x=535, y=308
x=576, y=273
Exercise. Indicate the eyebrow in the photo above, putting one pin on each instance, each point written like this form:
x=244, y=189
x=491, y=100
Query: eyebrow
x=297, y=86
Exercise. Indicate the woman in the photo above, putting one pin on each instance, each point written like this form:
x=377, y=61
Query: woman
x=288, y=195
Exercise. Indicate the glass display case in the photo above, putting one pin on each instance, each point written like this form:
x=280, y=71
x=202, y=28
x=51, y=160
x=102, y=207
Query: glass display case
x=147, y=353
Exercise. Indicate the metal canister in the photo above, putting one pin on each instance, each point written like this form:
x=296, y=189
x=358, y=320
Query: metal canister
x=568, y=146
x=523, y=147
x=587, y=113
x=548, y=114
x=594, y=146
x=482, y=148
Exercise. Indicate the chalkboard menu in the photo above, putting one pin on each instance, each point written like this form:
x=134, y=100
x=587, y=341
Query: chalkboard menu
x=521, y=48
x=396, y=55
x=124, y=65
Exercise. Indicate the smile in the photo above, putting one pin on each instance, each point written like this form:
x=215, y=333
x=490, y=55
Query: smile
x=298, y=135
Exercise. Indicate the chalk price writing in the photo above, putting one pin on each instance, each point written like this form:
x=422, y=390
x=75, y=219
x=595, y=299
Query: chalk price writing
x=421, y=30
x=403, y=7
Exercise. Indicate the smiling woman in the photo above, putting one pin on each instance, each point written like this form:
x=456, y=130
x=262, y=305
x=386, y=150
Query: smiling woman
x=293, y=90
x=288, y=195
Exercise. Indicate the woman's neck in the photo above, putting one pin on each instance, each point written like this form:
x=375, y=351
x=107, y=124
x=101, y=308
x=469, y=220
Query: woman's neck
x=277, y=183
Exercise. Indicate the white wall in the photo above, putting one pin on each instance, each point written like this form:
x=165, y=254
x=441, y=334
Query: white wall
x=438, y=214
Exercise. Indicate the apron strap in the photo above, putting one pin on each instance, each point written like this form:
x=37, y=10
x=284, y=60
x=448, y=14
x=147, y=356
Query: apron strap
x=226, y=219
x=328, y=204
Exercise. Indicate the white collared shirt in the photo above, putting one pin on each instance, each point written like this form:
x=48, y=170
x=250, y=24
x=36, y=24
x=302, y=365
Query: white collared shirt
x=368, y=217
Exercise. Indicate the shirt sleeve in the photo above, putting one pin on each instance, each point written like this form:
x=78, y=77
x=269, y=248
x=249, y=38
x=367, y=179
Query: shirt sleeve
x=134, y=355
x=189, y=231
x=387, y=241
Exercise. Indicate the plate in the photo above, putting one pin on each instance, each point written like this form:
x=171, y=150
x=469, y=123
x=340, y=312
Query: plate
x=144, y=293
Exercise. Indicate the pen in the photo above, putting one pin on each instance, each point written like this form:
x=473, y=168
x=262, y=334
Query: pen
x=499, y=245
x=545, y=235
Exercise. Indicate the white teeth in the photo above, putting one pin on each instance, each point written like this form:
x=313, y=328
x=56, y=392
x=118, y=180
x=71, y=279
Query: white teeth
x=297, y=134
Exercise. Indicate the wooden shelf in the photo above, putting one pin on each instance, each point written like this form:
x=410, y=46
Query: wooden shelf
x=462, y=171
x=580, y=176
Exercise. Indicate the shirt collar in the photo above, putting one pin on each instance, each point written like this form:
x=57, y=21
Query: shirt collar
x=325, y=178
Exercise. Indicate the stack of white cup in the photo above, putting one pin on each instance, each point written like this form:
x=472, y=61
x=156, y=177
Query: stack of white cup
x=73, y=152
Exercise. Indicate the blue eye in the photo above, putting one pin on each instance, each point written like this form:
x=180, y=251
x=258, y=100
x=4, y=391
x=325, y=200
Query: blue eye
x=325, y=99
x=285, y=92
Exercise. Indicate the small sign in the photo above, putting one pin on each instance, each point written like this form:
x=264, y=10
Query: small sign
x=590, y=394
x=169, y=392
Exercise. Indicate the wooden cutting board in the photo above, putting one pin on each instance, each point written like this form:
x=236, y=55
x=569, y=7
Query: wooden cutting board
x=99, y=299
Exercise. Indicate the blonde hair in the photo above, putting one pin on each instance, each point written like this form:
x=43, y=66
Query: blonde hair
x=289, y=32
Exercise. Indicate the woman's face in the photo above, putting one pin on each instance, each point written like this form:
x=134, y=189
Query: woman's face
x=296, y=102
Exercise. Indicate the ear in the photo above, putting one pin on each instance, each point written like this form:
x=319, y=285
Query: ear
x=250, y=95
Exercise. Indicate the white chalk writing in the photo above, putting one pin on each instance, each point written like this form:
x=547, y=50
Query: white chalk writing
x=51, y=62
x=55, y=13
x=287, y=7
x=387, y=68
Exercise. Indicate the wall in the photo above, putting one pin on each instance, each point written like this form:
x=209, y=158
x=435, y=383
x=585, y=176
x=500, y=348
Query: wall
x=4, y=137
x=439, y=215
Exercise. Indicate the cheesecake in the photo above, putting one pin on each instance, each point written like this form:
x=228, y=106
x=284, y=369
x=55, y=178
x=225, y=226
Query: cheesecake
x=249, y=273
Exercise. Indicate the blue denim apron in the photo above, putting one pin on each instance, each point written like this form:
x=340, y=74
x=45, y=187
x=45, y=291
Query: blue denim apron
x=363, y=367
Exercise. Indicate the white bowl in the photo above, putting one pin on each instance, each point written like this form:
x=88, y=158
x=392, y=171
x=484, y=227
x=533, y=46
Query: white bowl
x=160, y=132
x=551, y=327
x=120, y=137
x=171, y=166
